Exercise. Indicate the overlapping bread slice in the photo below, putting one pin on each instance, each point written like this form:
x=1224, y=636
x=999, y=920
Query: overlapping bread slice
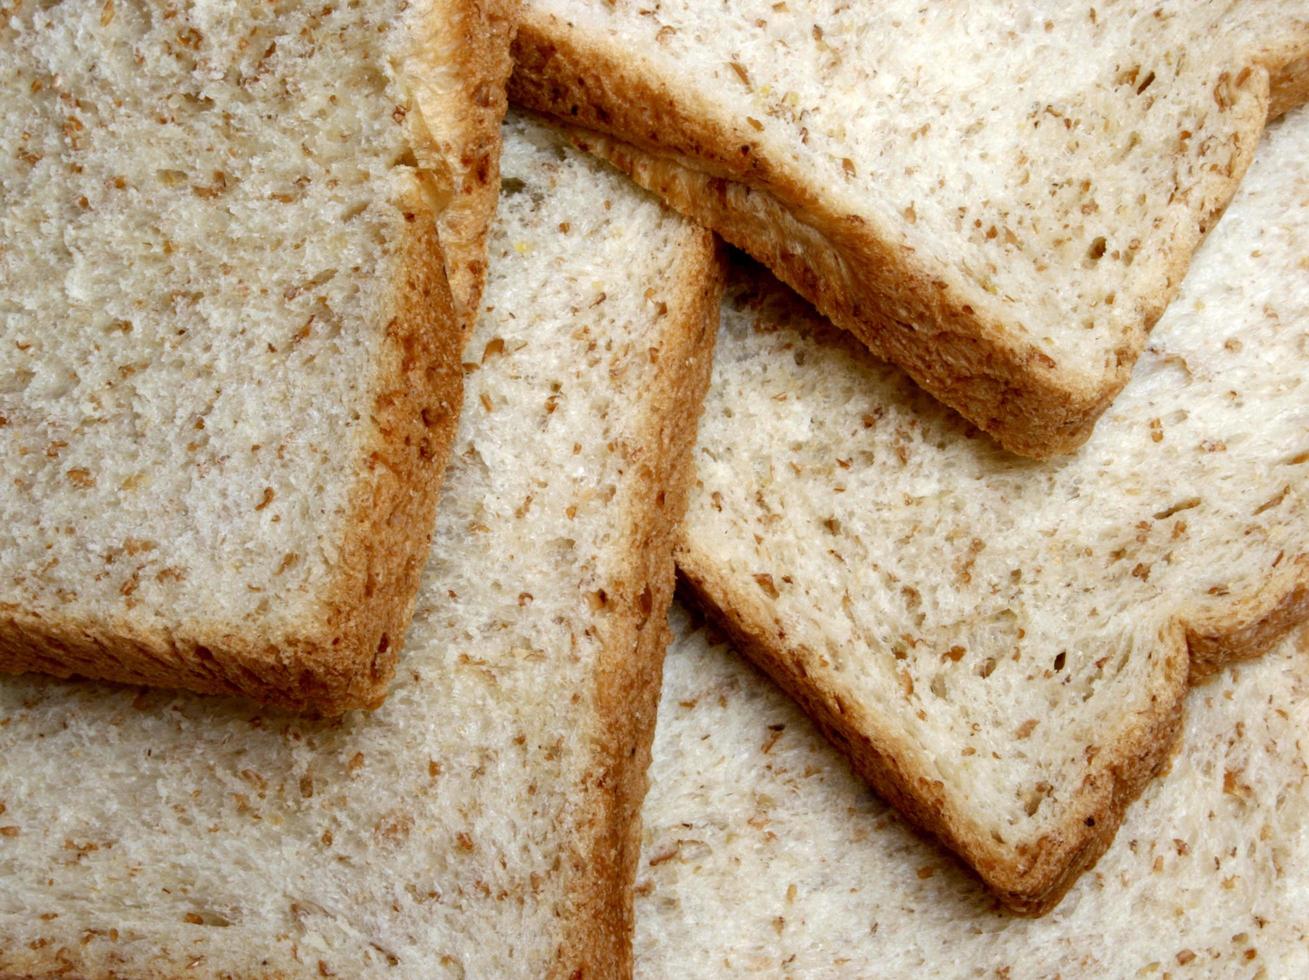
x=229, y=365
x=1003, y=646
x=751, y=818
x=482, y=822
x=1000, y=198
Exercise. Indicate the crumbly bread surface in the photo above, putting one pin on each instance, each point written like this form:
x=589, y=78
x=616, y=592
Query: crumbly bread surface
x=1000, y=198
x=482, y=822
x=752, y=819
x=1002, y=645
x=228, y=362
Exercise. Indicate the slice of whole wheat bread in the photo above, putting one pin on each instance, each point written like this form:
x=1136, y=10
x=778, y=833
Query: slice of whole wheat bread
x=1000, y=199
x=229, y=367
x=1003, y=646
x=483, y=821
x=752, y=819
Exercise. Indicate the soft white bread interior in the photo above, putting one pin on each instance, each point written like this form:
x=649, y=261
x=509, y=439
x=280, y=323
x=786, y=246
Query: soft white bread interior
x=229, y=368
x=483, y=821
x=753, y=820
x=1002, y=646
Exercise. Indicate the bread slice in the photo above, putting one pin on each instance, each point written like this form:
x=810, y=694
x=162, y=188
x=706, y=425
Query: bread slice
x=1003, y=646
x=751, y=819
x=1000, y=200
x=229, y=368
x=483, y=821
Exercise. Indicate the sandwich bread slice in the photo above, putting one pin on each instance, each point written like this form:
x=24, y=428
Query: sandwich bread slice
x=999, y=197
x=753, y=819
x=1003, y=646
x=483, y=821
x=229, y=363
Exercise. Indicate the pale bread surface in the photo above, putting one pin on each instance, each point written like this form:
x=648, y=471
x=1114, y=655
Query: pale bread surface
x=753, y=820
x=482, y=822
x=229, y=367
x=1000, y=197
x=1002, y=646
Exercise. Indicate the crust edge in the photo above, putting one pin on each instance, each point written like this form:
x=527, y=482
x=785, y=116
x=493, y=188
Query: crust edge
x=601, y=918
x=1011, y=391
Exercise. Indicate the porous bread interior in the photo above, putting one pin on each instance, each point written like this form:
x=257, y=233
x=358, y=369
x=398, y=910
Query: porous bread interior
x=753, y=819
x=204, y=242
x=1012, y=195
x=439, y=835
x=1012, y=634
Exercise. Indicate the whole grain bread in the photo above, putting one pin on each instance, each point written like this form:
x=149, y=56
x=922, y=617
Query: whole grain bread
x=1003, y=646
x=483, y=821
x=229, y=366
x=1000, y=198
x=753, y=819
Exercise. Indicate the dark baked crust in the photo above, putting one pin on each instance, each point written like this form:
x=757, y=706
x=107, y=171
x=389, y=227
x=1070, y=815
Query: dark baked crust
x=837, y=261
x=635, y=632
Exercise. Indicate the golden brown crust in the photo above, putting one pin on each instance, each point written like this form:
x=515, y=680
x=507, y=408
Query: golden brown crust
x=393, y=505
x=635, y=631
x=347, y=658
x=839, y=262
x=478, y=39
x=1250, y=626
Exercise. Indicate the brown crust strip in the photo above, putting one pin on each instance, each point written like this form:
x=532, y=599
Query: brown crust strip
x=844, y=266
x=1288, y=76
x=482, y=34
x=635, y=632
x=347, y=659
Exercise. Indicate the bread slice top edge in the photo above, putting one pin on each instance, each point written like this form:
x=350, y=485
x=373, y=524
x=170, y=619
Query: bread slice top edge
x=868, y=265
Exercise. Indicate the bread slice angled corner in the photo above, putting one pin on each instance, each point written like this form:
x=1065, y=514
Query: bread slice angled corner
x=1000, y=200
x=484, y=821
x=229, y=366
x=752, y=819
x=1003, y=646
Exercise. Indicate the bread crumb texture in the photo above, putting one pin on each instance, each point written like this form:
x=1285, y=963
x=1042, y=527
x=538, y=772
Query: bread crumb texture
x=1013, y=635
x=753, y=818
x=222, y=305
x=1034, y=177
x=156, y=834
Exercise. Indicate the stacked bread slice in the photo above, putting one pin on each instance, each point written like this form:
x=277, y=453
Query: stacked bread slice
x=229, y=357
x=483, y=821
x=1003, y=646
x=266, y=268
x=998, y=197
x=754, y=819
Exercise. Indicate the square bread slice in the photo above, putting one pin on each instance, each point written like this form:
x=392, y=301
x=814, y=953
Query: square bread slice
x=229, y=366
x=999, y=197
x=1003, y=646
x=753, y=819
x=484, y=821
